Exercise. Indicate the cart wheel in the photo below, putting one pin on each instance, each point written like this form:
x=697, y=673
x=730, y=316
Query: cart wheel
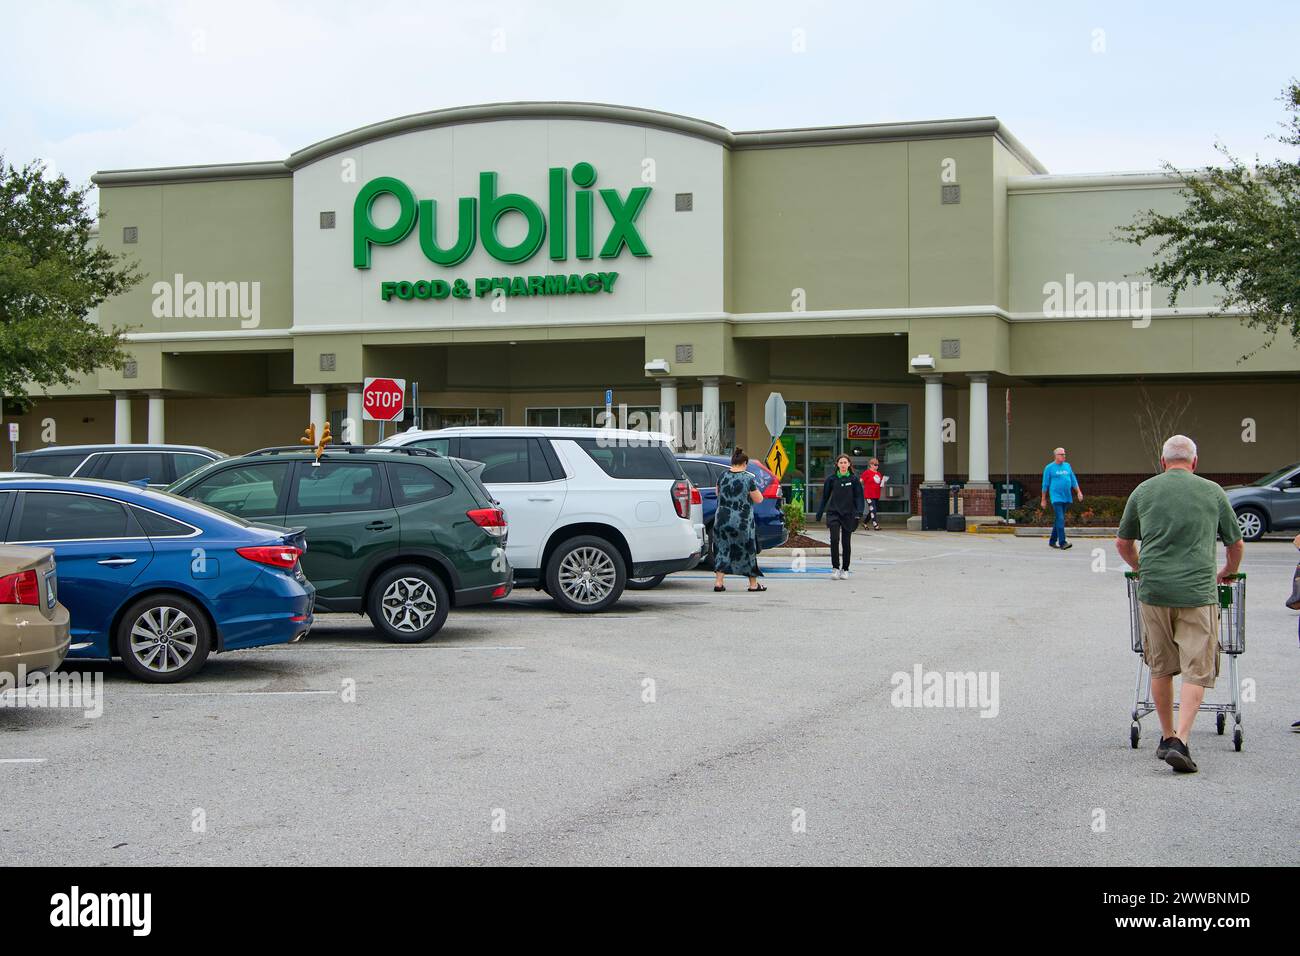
x=1236, y=740
x=1218, y=722
x=1134, y=733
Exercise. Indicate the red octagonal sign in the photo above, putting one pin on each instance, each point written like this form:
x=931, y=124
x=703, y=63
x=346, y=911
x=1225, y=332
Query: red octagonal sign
x=383, y=399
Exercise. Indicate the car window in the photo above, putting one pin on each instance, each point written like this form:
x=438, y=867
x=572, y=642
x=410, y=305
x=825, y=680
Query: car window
x=133, y=466
x=160, y=526
x=440, y=445
x=59, y=466
x=248, y=491
x=415, y=483
x=632, y=459
x=63, y=517
x=698, y=472
x=185, y=462
x=717, y=472
x=505, y=460
x=335, y=486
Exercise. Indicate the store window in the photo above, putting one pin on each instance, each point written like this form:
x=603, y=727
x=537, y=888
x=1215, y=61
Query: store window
x=818, y=432
x=691, y=416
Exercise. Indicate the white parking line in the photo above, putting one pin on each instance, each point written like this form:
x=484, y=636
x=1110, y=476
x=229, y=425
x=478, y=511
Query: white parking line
x=236, y=693
x=22, y=760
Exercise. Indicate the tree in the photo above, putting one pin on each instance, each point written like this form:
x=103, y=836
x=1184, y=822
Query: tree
x=1239, y=229
x=1158, y=421
x=52, y=273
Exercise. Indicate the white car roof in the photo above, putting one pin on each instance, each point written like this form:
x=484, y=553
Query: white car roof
x=627, y=434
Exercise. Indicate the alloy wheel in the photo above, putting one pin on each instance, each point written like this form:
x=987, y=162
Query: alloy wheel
x=163, y=639
x=1249, y=524
x=409, y=605
x=587, y=575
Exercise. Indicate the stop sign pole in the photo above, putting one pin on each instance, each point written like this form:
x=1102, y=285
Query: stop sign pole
x=383, y=400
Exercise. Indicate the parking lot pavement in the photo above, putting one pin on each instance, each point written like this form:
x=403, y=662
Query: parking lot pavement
x=686, y=727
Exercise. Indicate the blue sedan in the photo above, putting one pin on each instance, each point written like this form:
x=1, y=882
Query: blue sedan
x=156, y=580
x=704, y=470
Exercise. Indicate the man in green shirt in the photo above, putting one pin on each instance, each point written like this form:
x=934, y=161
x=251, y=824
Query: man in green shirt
x=1179, y=517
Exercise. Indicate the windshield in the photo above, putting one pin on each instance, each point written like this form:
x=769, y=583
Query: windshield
x=1275, y=477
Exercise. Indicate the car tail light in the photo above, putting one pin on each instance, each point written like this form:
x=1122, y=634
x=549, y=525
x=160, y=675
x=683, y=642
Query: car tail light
x=276, y=555
x=682, y=498
x=491, y=520
x=773, y=487
x=20, y=588
x=695, y=496
x=499, y=591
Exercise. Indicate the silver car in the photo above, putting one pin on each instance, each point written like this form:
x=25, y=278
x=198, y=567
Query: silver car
x=1270, y=504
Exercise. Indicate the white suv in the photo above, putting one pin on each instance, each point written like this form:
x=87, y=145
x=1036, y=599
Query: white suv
x=589, y=508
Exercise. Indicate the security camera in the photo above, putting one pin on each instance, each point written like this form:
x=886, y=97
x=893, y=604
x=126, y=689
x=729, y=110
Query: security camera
x=924, y=360
x=657, y=366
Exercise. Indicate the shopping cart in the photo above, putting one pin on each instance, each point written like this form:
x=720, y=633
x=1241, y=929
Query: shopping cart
x=1232, y=641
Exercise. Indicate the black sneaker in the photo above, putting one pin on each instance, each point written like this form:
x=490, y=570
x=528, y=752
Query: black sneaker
x=1052, y=544
x=1163, y=747
x=1067, y=546
x=1179, y=757
x=1295, y=728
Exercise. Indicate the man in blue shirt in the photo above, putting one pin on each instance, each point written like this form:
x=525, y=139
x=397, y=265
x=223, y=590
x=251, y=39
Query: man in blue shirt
x=1059, y=484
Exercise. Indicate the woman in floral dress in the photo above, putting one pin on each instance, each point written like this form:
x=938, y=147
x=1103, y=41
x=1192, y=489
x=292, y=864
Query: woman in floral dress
x=735, y=541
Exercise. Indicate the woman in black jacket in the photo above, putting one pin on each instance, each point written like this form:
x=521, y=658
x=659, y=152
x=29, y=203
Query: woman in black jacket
x=842, y=503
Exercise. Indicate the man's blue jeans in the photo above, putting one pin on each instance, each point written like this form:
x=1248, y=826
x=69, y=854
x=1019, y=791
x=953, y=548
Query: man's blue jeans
x=1058, y=526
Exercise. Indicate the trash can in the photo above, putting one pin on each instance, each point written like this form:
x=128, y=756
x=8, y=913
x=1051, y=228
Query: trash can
x=934, y=508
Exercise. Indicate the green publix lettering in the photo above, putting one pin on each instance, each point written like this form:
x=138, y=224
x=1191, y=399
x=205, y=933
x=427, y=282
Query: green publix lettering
x=477, y=219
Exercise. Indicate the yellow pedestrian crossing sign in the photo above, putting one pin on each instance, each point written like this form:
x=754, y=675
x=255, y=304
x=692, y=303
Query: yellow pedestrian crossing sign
x=778, y=460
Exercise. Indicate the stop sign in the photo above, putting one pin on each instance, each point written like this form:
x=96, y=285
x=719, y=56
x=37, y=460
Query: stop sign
x=383, y=399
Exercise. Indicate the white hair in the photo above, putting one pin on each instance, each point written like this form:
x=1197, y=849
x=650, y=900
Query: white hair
x=1179, y=448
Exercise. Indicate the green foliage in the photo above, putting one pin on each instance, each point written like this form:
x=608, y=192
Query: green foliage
x=52, y=273
x=796, y=519
x=1240, y=229
x=1102, y=511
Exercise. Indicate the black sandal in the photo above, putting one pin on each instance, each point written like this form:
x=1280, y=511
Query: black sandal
x=718, y=587
x=759, y=588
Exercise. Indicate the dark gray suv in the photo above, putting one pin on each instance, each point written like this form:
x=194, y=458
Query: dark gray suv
x=1270, y=504
x=156, y=465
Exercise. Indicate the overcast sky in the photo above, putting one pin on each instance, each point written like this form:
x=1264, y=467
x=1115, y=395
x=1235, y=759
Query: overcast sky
x=1087, y=87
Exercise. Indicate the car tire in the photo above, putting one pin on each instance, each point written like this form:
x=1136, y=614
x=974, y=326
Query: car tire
x=164, y=638
x=408, y=604
x=645, y=584
x=1252, y=524
x=585, y=575
x=709, y=546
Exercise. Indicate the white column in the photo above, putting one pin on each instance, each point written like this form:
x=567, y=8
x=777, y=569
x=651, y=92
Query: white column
x=978, y=472
x=669, y=420
x=122, y=418
x=358, y=436
x=157, y=427
x=317, y=411
x=710, y=417
x=933, y=429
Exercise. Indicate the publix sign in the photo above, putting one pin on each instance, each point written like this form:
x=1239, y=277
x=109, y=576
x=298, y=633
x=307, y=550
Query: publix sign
x=570, y=200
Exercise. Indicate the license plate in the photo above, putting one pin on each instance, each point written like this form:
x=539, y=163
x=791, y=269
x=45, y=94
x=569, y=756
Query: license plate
x=51, y=588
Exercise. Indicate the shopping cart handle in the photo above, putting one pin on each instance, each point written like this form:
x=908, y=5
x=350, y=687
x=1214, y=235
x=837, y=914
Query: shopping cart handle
x=1236, y=577
x=1131, y=575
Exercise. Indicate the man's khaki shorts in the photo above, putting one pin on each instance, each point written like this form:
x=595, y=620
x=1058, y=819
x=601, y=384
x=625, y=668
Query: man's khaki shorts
x=1182, y=640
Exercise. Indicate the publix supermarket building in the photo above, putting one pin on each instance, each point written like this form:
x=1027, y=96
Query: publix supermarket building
x=517, y=261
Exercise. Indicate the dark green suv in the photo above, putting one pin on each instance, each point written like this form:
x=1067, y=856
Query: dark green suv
x=400, y=537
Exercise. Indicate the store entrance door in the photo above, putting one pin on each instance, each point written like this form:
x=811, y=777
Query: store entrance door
x=823, y=447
